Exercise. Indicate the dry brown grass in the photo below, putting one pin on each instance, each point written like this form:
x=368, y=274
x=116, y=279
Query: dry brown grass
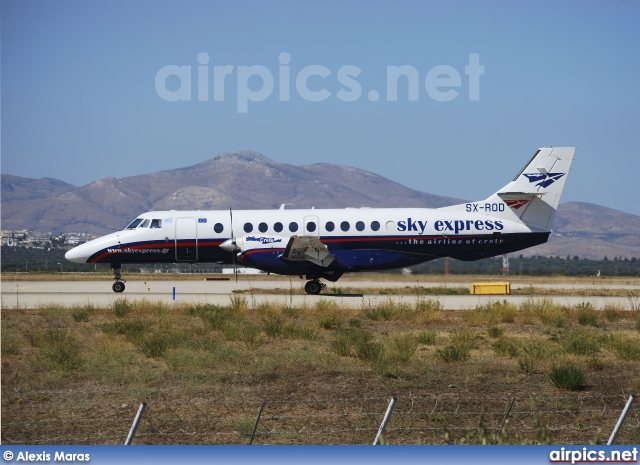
x=325, y=372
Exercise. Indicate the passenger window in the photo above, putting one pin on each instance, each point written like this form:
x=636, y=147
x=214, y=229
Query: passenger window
x=156, y=224
x=248, y=227
x=311, y=226
x=145, y=224
x=262, y=227
x=330, y=226
x=360, y=226
x=293, y=226
x=375, y=226
x=277, y=227
x=218, y=228
x=345, y=226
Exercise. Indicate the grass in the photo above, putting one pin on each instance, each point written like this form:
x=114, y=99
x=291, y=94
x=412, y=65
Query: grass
x=567, y=377
x=454, y=353
x=427, y=337
x=625, y=347
x=248, y=352
x=587, y=315
x=59, y=349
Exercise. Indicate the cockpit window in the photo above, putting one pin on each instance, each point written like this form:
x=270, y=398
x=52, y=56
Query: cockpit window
x=134, y=224
x=155, y=224
x=145, y=223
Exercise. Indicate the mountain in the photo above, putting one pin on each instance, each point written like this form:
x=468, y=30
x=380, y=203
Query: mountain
x=15, y=188
x=591, y=231
x=249, y=180
x=238, y=180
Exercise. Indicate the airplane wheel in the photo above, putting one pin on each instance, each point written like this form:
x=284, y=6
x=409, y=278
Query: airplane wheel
x=118, y=286
x=313, y=287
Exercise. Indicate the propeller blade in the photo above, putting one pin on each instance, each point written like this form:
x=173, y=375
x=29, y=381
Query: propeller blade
x=234, y=251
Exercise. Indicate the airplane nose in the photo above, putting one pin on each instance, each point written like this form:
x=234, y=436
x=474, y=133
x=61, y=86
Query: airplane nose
x=76, y=255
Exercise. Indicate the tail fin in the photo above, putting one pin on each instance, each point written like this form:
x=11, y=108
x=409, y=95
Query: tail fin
x=534, y=194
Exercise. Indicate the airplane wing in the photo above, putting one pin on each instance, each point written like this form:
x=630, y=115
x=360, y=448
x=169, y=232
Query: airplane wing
x=309, y=248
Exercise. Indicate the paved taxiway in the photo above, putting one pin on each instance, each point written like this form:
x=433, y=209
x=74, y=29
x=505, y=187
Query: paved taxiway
x=29, y=294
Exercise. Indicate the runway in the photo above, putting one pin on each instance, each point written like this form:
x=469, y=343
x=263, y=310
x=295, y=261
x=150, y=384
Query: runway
x=31, y=294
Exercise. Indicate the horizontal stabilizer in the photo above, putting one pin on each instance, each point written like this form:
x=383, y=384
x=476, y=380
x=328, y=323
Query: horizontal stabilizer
x=534, y=194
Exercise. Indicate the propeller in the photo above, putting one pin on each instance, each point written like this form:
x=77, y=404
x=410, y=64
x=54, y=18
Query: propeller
x=232, y=247
x=233, y=240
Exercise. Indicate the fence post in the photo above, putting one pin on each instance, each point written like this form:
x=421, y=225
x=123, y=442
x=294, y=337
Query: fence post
x=623, y=415
x=385, y=420
x=255, y=427
x=136, y=422
x=506, y=415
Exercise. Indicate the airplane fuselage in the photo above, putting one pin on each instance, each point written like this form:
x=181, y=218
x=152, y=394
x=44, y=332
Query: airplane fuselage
x=326, y=243
x=361, y=239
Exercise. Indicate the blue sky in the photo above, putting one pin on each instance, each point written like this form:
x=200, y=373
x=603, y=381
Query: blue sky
x=91, y=89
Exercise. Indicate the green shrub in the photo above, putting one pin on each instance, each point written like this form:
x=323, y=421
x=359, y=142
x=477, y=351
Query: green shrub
x=238, y=303
x=526, y=363
x=613, y=312
x=340, y=345
x=587, y=315
x=131, y=329
x=624, y=347
x=537, y=349
x=80, y=315
x=427, y=337
x=370, y=351
x=122, y=307
x=9, y=346
x=244, y=331
x=568, y=377
x=61, y=348
x=495, y=331
x=382, y=311
x=464, y=336
x=547, y=311
x=579, y=342
x=596, y=364
x=454, y=353
x=347, y=341
x=325, y=305
x=306, y=333
x=273, y=326
x=330, y=321
x=506, y=346
x=214, y=316
x=491, y=313
x=404, y=347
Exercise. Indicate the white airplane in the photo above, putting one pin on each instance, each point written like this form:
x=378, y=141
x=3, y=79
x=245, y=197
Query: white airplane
x=326, y=243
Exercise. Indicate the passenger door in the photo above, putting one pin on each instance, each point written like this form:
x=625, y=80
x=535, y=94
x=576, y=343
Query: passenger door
x=311, y=226
x=186, y=239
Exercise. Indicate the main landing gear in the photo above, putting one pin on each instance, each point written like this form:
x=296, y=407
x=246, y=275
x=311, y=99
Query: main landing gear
x=118, y=286
x=314, y=287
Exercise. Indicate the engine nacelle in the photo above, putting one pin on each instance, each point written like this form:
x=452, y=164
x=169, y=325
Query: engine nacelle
x=245, y=243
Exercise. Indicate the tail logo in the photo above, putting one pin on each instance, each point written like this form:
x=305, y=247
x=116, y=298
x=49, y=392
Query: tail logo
x=515, y=204
x=544, y=179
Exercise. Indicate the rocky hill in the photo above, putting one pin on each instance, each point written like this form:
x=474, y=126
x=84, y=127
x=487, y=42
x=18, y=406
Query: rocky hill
x=247, y=179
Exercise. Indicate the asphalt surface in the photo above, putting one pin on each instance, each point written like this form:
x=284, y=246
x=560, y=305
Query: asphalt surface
x=30, y=294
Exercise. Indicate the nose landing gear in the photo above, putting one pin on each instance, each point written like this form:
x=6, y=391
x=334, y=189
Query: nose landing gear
x=118, y=286
x=314, y=287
